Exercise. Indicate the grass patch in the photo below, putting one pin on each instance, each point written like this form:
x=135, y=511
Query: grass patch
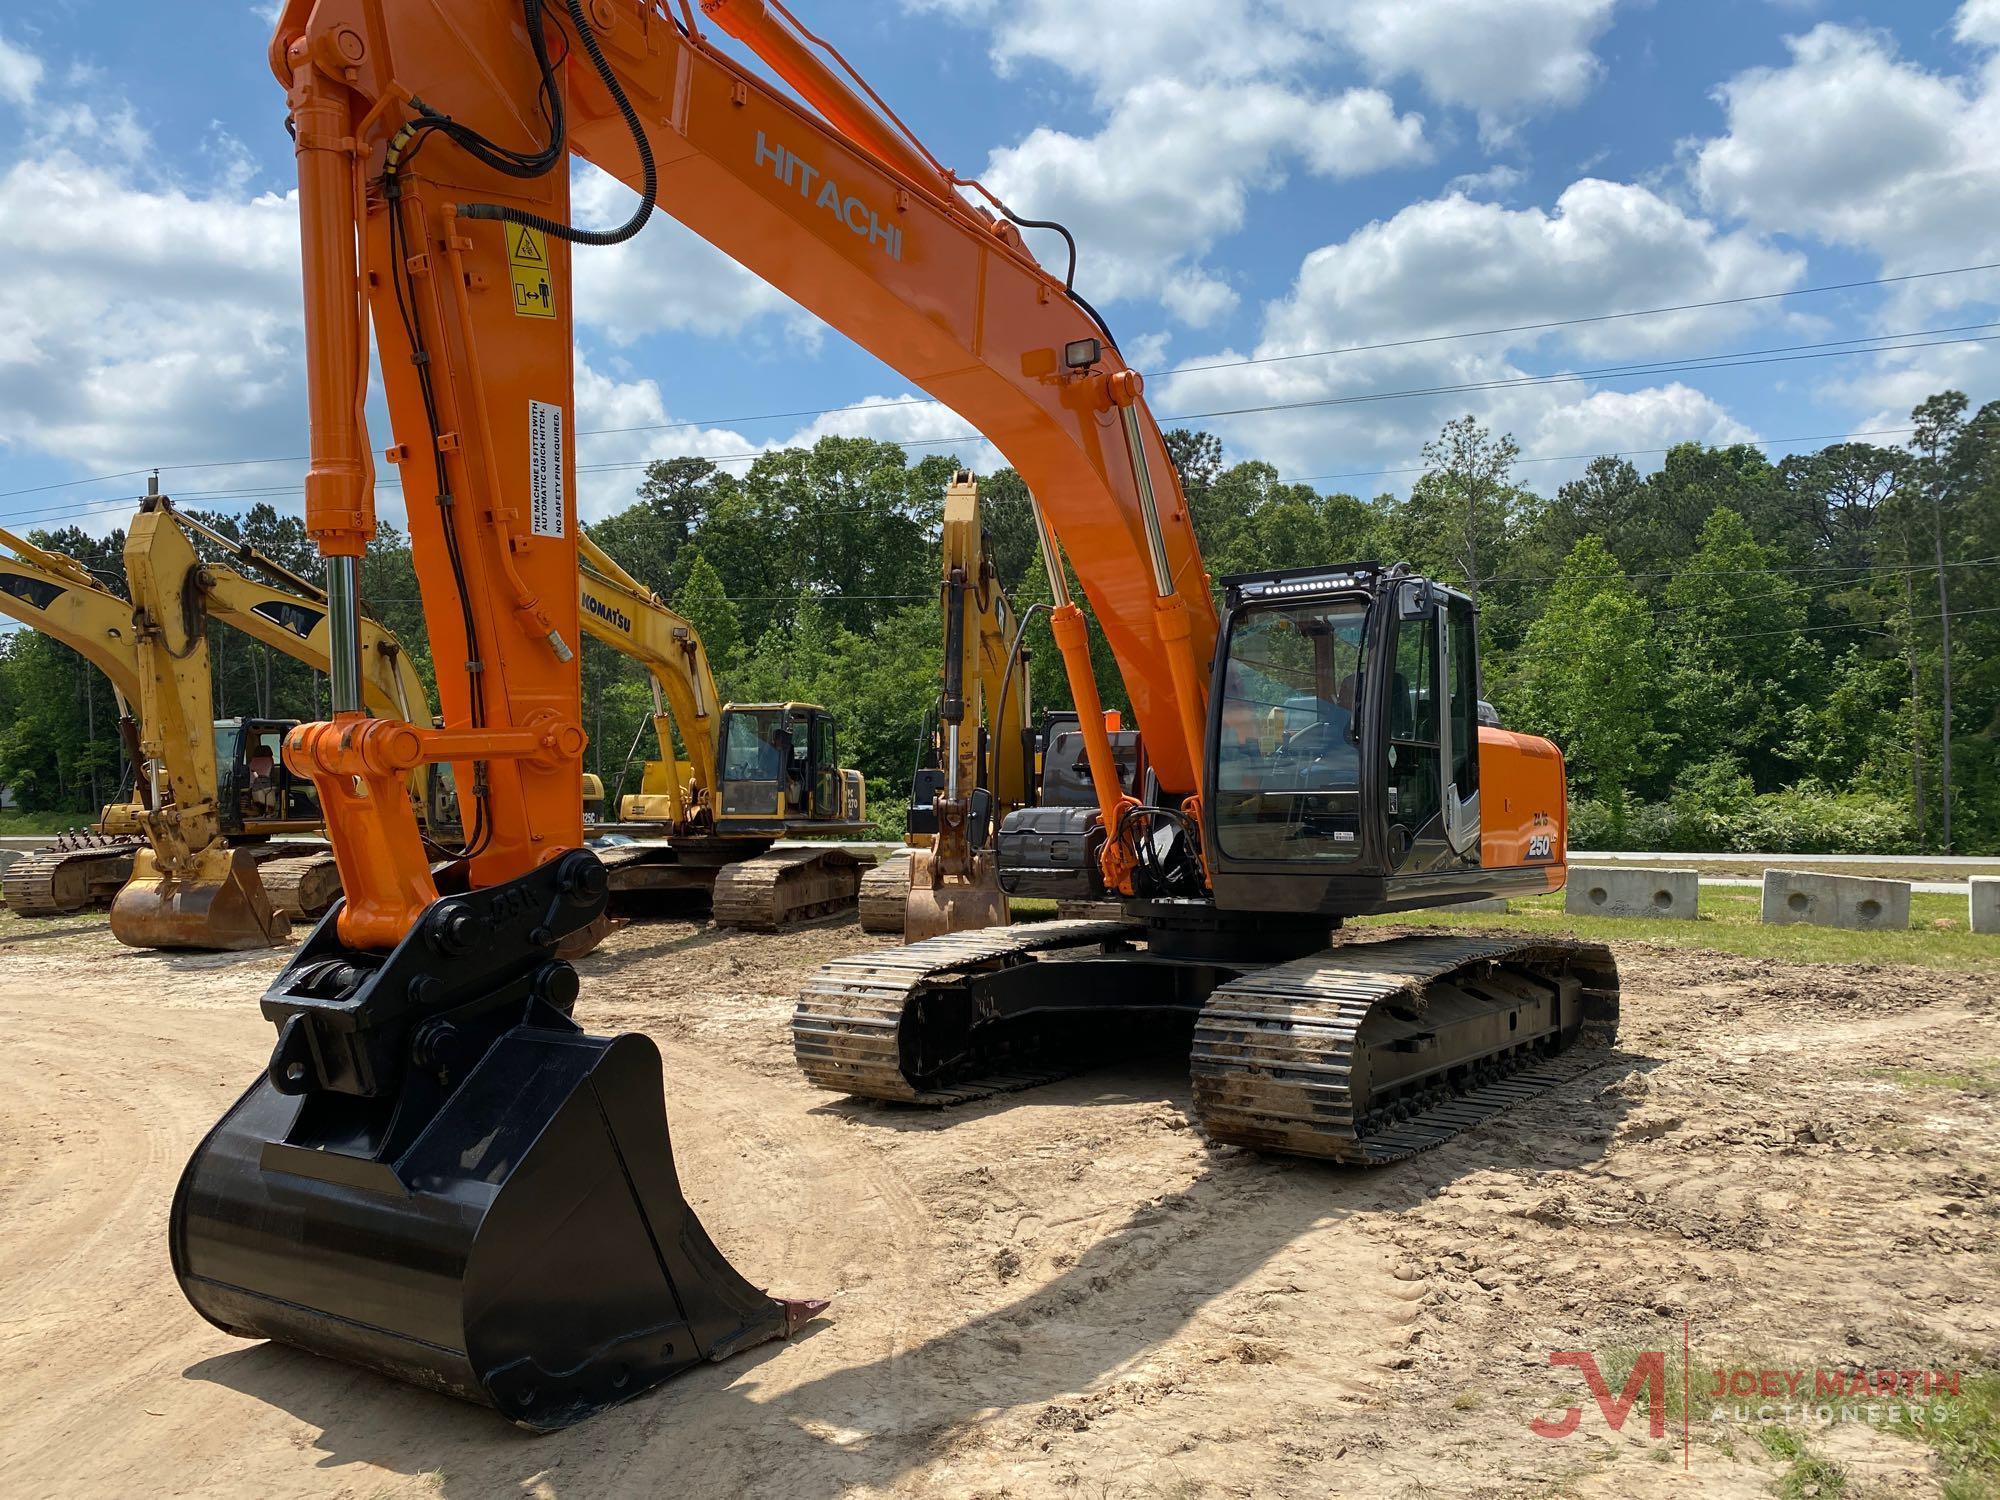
x=1808, y=1474
x=17, y=824
x=1982, y=1078
x=1730, y=921
x=1964, y=1431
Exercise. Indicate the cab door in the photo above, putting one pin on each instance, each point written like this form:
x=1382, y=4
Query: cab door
x=825, y=767
x=1414, y=780
x=1431, y=796
x=1459, y=664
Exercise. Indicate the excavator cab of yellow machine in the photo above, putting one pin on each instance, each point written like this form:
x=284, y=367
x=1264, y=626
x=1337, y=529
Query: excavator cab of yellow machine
x=780, y=765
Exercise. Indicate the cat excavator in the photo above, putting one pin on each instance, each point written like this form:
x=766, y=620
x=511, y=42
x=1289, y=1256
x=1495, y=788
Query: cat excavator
x=755, y=773
x=440, y=1174
x=980, y=761
x=64, y=600
x=230, y=771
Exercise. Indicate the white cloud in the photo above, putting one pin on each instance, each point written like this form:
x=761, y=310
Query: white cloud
x=1632, y=421
x=20, y=74
x=120, y=348
x=1450, y=264
x=1978, y=23
x=1116, y=44
x=1172, y=171
x=1854, y=146
x=1503, y=58
x=1496, y=181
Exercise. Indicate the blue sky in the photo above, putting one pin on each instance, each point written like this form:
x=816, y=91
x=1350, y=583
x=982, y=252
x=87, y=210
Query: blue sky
x=1258, y=180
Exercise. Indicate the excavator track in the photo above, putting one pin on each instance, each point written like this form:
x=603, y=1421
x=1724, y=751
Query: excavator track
x=885, y=893
x=1325, y=1056
x=785, y=886
x=301, y=885
x=852, y=1022
x=1364, y=1053
x=77, y=871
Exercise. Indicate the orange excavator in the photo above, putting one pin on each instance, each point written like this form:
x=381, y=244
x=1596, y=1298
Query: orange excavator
x=440, y=1174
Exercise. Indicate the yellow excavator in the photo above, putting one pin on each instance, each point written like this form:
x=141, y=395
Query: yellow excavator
x=753, y=773
x=229, y=773
x=61, y=598
x=980, y=761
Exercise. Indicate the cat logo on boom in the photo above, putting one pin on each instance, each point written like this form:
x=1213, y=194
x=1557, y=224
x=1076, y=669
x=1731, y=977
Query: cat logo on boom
x=528, y=269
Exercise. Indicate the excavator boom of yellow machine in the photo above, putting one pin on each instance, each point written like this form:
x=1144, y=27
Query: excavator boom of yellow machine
x=953, y=885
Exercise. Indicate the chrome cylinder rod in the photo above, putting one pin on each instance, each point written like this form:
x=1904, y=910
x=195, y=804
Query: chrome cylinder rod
x=343, y=600
x=1149, y=507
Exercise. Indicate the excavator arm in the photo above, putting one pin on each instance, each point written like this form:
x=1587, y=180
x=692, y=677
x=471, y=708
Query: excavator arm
x=429, y=181
x=189, y=888
x=293, y=620
x=60, y=597
x=632, y=620
x=953, y=884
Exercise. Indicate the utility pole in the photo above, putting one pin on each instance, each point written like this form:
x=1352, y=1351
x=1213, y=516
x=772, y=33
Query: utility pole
x=1944, y=622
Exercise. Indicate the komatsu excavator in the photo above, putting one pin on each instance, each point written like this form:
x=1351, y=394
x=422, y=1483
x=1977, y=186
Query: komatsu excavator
x=755, y=773
x=442, y=1176
x=980, y=758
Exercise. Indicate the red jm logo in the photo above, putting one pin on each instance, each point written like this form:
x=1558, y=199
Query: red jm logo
x=1649, y=1374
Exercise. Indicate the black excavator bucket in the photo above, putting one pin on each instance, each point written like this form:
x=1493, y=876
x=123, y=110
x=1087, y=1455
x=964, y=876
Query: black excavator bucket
x=443, y=1179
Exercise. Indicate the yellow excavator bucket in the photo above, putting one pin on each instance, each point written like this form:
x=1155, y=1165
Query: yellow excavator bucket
x=952, y=903
x=221, y=904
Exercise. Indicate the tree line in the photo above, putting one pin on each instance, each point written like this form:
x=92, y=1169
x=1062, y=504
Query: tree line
x=1734, y=653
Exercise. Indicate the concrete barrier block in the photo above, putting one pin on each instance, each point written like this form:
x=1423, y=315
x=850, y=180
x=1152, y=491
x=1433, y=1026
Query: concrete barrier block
x=1620, y=891
x=1986, y=903
x=8, y=856
x=1491, y=903
x=1851, y=901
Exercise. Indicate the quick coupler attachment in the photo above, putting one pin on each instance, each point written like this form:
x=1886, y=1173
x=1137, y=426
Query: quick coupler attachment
x=442, y=1178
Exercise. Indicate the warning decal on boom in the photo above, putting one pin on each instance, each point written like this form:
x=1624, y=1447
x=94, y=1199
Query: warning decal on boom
x=528, y=264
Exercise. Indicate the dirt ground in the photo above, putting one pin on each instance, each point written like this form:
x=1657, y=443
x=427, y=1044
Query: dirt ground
x=1065, y=1292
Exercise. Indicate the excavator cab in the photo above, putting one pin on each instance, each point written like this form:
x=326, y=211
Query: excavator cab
x=258, y=793
x=1344, y=764
x=781, y=765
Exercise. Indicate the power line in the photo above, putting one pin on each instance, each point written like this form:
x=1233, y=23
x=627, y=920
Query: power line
x=1861, y=629
x=1402, y=343
x=293, y=492
x=1572, y=458
x=1189, y=369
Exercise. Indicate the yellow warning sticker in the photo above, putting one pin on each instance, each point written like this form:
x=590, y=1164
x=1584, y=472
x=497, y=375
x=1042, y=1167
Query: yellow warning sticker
x=528, y=263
